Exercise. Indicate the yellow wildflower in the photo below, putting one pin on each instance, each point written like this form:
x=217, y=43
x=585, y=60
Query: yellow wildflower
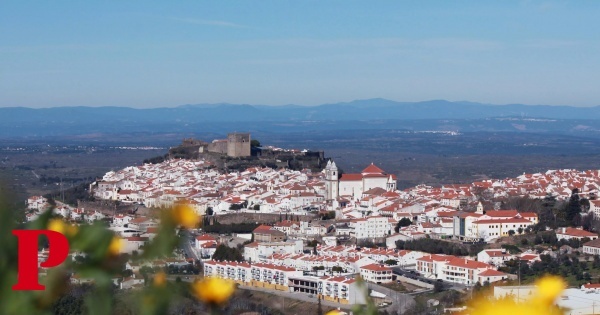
x=213, y=291
x=160, y=279
x=185, y=216
x=548, y=289
x=333, y=312
x=60, y=226
x=116, y=244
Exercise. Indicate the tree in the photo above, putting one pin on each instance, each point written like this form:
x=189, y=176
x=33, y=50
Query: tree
x=511, y=232
x=402, y=223
x=391, y=262
x=520, y=230
x=573, y=208
x=337, y=269
x=254, y=143
x=224, y=252
x=209, y=211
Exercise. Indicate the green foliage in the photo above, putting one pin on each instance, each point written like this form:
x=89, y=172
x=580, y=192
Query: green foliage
x=329, y=215
x=224, y=252
x=230, y=228
x=402, y=223
x=573, y=208
x=511, y=248
x=435, y=246
x=235, y=206
x=337, y=269
x=155, y=160
x=254, y=143
x=312, y=243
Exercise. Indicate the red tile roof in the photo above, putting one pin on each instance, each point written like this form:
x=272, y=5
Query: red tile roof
x=351, y=177
x=372, y=169
x=492, y=273
x=501, y=213
x=376, y=267
x=576, y=232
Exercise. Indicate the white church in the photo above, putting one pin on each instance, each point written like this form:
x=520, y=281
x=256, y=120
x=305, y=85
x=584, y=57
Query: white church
x=352, y=186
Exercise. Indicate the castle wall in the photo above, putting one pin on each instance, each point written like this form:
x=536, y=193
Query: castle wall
x=218, y=146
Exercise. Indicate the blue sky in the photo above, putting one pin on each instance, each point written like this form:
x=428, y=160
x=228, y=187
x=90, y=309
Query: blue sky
x=169, y=53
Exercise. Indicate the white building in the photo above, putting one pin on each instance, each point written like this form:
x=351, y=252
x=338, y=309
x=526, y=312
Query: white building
x=458, y=270
x=592, y=247
x=354, y=185
x=495, y=257
x=371, y=227
x=568, y=233
x=376, y=273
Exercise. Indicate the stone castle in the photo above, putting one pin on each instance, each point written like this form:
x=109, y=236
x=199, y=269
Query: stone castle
x=236, y=145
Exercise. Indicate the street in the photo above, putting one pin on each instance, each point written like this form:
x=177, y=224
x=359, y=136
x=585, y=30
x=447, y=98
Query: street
x=187, y=246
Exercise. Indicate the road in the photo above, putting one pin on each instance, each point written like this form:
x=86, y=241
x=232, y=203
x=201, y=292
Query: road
x=400, y=301
x=187, y=246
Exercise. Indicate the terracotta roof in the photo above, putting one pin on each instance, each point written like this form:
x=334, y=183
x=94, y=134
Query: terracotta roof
x=575, y=232
x=205, y=237
x=372, y=169
x=376, y=267
x=351, y=177
x=502, y=213
x=516, y=220
x=595, y=243
x=261, y=228
x=491, y=273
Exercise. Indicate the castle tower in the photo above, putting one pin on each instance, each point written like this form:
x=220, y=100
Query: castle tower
x=331, y=180
x=238, y=144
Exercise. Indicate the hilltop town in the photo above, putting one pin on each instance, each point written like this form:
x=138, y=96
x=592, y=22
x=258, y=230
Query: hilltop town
x=330, y=227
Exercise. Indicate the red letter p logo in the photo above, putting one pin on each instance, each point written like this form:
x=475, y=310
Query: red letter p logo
x=27, y=278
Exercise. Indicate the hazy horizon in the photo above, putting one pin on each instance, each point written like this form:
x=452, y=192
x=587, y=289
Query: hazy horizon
x=301, y=105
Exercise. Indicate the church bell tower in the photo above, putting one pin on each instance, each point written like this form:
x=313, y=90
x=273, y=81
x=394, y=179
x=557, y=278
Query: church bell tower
x=331, y=180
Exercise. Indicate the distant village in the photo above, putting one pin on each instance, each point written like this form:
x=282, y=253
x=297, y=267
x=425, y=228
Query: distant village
x=322, y=256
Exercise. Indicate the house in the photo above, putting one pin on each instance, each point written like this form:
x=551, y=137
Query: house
x=568, y=233
x=265, y=233
x=496, y=257
x=458, y=270
x=592, y=247
x=371, y=227
x=376, y=273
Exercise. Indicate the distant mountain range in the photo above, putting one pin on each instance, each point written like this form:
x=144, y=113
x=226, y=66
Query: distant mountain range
x=376, y=113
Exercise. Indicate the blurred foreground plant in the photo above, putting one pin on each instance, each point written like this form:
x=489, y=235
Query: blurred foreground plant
x=103, y=262
x=548, y=289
